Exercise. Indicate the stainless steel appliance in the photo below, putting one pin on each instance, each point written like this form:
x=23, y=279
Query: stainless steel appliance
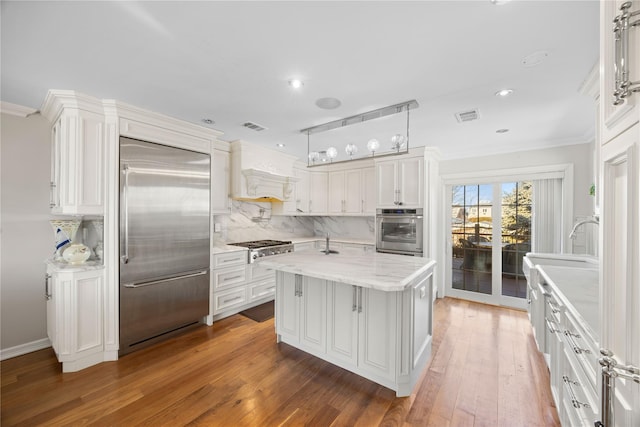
x=399, y=231
x=164, y=241
x=262, y=248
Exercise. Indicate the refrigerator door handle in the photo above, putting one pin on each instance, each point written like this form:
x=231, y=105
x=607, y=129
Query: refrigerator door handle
x=169, y=279
x=125, y=215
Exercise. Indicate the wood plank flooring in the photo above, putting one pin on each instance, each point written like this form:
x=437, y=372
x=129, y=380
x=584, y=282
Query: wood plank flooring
x=485, y=371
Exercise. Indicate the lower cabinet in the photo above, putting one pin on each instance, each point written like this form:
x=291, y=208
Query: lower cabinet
x=382, y=336
x=74, y=315
x=236, y=285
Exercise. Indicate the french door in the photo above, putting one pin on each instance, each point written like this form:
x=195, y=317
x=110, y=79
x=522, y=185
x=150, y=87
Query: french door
x=490, y=233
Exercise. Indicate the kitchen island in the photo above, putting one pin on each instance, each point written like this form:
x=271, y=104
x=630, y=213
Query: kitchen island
x=371, y=314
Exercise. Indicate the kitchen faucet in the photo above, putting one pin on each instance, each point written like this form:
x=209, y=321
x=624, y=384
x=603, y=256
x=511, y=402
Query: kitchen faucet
x=592, y=220
x=328, y=251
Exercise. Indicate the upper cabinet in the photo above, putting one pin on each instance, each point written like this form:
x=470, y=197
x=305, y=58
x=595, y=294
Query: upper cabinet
x=400, y=182
x=345, y=192
x=620, y=66
x=77, y=153
x=220, y=185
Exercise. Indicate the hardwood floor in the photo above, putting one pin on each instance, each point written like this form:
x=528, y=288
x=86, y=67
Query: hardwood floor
x=485, y=371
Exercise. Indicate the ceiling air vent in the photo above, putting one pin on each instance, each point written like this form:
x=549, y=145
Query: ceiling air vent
x=468, y=116
x=254, y=126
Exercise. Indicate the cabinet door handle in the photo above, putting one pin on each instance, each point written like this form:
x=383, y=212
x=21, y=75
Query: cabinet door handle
x=124, y=257
x=354, y=307
x=52, y=202
x=47, y=291
x=359, y=300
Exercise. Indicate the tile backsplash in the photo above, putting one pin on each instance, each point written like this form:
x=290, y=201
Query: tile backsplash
x=254, y=221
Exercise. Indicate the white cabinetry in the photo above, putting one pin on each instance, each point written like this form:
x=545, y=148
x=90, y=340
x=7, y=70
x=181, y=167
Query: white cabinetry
x=382, y=336
x=619, y=185
x=228, y=277
x=301, y=311
x=369, y=191
x=345, y=192
x=237, y=285
x=318, y=185
x=400, y=182
x=617, y=118
x=78, y=152
x=620, y=264
x=74, y=315
x=220, y=181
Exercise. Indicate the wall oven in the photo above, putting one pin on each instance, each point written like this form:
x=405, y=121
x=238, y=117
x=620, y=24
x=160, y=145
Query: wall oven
x=399, y=231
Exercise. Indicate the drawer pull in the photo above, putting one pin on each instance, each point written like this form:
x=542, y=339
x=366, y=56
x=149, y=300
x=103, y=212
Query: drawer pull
x=574, y=346
x=232, y=299
x=574, y=400
x=226, y=279
x=554, y=308
x=550, y=326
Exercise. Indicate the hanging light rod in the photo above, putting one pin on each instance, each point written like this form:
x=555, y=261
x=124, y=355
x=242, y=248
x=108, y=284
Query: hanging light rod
x=363, y=117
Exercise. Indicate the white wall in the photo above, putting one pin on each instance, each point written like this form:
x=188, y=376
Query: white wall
x=26, y=238
x=580, y=155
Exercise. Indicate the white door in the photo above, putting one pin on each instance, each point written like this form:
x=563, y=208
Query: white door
x=410, y=182
x=490, y=234
x=342, y=334
x=352, y=191
x=313, y=313
x=377, y=332
x=302, y=190
x=318, y=192
x=287, y=306
x=620, y=284
x=369, y=191
x=335, y=193
x=387, y=179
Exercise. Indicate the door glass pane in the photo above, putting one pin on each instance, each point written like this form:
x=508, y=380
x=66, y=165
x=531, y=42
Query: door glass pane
x=471, y=237
x=516, y=236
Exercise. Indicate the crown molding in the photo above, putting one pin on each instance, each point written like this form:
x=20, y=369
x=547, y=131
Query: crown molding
x=16, y=110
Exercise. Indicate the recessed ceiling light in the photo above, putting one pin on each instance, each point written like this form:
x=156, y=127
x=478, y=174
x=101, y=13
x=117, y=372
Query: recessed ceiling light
x=208, y=121
x=296, y=83
x=502, y=131
x=280, y=145
x=328, y=103
x=500, y=2
x=535, y=58
x=504, y=92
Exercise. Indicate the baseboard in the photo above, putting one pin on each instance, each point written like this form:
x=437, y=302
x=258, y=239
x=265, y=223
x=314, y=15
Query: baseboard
x=19, y=350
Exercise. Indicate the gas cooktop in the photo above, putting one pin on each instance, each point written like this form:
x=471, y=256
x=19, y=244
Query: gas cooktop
x=262, y=248
x=255, y=244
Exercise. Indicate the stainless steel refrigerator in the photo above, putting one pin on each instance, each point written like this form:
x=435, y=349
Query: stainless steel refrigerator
x=164, y=241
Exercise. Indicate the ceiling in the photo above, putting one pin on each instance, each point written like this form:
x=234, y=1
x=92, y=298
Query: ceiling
x=231, y=62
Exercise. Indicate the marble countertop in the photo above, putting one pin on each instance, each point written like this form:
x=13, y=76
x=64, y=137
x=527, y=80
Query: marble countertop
x=221, y=248
x=384, y=272
x=579, y=292
x=64, y=266
x=332, y=239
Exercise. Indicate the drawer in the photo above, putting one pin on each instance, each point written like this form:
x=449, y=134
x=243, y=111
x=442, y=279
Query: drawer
x=227, y=259
x=262, y=289
x=257, y=271
x=580, y=402
x=224, y=278
x=582, y=347
x=229, y=299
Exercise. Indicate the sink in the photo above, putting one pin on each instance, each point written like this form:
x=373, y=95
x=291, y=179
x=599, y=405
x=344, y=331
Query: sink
x=330, y=251
x=562, y=260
